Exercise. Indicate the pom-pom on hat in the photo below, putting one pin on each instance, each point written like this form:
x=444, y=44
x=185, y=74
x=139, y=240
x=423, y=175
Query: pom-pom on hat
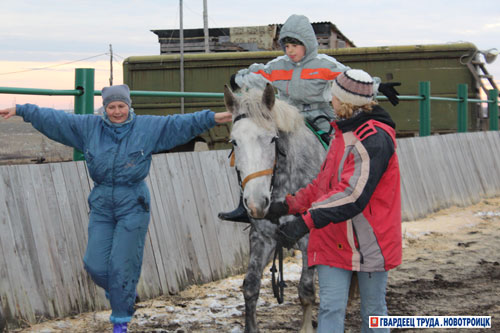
x=353, y=86
x=116, y=93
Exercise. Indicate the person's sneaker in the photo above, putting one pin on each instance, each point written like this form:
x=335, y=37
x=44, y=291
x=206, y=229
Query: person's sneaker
x=120, y=328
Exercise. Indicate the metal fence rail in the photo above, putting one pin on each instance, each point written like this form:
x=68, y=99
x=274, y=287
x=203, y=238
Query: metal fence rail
x=84, y=102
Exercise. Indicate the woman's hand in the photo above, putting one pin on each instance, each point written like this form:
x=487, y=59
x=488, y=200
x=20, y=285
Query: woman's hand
x=223, y=117
x=7, y=113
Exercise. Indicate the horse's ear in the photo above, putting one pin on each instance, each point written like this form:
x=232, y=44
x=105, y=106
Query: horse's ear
x=268, y=97
x=229, y=99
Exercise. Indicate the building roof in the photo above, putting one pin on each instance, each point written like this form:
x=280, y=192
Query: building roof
x=320, y=28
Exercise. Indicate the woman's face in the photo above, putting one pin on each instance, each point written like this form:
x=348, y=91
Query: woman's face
x=117, y=112
x=295, y=52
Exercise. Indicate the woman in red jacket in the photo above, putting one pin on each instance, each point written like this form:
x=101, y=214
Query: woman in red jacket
x=353, y=207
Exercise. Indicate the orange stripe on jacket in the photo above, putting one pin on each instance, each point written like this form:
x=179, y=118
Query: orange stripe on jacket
x=318, y=73
x=276, y=75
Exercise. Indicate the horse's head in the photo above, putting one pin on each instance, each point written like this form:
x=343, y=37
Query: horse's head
x=254, y=137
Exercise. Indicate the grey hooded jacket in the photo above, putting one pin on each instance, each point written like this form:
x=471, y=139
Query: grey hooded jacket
x=304, y=84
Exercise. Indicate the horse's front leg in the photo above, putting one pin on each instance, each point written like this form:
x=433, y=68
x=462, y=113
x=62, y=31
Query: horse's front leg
x=306, y=289
x=261, y=247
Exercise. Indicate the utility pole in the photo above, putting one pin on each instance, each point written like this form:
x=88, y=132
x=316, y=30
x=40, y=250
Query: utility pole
x=205, y=27
x=181, y=37
x=110, y=64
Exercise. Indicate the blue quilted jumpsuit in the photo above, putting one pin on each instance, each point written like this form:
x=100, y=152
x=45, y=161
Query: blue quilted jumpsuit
x=118, y=159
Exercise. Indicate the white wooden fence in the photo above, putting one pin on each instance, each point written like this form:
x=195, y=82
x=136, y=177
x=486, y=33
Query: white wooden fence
x=43, y=233
x=44, y=216
x=446, y=170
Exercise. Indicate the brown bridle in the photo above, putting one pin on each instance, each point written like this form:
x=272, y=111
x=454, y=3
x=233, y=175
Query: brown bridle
x=255, y=174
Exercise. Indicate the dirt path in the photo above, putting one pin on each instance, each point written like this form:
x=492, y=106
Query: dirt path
x=451, y=266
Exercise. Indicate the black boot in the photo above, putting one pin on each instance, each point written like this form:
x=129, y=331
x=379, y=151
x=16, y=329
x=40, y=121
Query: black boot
x=237, y=215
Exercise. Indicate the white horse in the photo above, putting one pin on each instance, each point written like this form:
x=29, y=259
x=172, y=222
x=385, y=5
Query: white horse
x=275, y=154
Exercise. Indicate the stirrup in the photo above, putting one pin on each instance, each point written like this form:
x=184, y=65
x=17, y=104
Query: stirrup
x=238, y=215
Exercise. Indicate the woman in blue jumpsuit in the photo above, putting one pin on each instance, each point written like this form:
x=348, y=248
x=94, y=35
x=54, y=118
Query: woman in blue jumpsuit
x=117, y=148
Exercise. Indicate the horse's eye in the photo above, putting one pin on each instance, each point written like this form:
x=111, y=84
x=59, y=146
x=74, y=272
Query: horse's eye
x=274, y=139
x=233, y=142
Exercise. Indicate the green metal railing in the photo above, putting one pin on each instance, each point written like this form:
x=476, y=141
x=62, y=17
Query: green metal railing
x=84, y=100
x=84, y=95
x=462, y=100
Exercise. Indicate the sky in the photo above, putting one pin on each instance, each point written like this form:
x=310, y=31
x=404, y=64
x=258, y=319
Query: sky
x=42, y=42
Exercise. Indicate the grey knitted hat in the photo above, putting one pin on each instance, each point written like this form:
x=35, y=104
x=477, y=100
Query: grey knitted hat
x=116, y=93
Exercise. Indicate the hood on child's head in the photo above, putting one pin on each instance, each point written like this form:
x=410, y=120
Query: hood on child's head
x=299, y=27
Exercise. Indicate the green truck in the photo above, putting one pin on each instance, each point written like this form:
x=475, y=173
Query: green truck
x=444, y=65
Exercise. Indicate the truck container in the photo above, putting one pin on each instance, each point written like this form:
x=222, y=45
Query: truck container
x=444, y=65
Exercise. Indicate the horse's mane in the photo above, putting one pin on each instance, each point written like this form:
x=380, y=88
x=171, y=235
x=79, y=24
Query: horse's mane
x=286, y=117
x=300, y=152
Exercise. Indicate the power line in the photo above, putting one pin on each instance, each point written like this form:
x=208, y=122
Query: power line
x=201, y=15
x=117, y=55
x=56, y=65
x=209, y=18
x=172, y=30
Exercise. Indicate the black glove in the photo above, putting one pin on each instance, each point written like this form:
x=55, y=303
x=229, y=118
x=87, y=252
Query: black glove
x=290, y=232
x=233, y=84
x=390, y=92
x=277, y=210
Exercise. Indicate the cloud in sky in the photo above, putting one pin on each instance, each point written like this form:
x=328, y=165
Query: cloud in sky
x=493, y=26
x=55, y=32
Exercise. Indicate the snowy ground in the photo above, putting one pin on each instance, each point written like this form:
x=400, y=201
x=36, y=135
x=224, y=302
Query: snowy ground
x=450, y=267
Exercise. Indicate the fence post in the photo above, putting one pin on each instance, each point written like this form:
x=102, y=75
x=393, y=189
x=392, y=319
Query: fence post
x=84, y=103
x=462, y=108
x=425, y=108
x=493, y=109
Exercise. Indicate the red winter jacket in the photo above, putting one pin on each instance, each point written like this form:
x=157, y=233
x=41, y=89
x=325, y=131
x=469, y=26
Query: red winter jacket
x=353, y=207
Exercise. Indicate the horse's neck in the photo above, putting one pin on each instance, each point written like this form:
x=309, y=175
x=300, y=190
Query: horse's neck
x=304, y=155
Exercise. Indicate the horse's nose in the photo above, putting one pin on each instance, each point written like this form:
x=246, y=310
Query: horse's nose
x=257, y=207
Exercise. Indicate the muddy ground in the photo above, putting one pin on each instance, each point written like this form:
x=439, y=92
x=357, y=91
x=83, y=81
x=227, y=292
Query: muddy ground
x=451, y=266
